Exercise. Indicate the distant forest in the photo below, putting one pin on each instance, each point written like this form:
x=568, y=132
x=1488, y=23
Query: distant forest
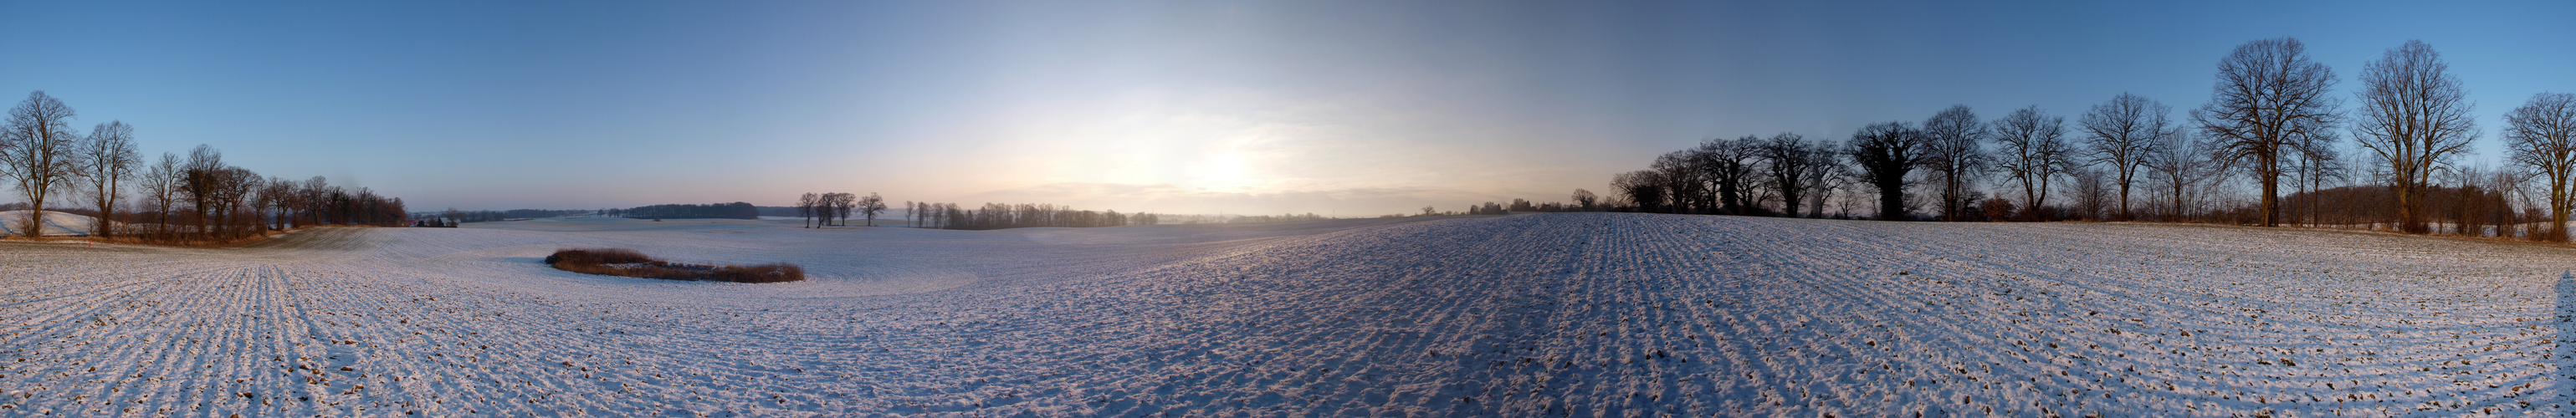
x=735, y=210
x=453, y=215
x=836, y=209
x=1026, y=215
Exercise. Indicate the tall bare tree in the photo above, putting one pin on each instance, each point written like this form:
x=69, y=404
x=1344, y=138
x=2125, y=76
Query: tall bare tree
x=1789, y=161
x=38, y=154
x=2032, y=150
x=1585, y=198
x=2415, y=118
x=2269, y=95
x=2117, y=135
x=107, y=160
x=2541, y=135
x=1954, y=152
x=1887, y=153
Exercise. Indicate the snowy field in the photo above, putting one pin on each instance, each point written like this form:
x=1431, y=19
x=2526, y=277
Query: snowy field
x=1527, y=315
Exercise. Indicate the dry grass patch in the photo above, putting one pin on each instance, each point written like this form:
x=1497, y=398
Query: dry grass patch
x=628, y=263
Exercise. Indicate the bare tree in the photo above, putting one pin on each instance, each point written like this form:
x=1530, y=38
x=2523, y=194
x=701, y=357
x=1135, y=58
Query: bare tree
x=2541, y=135
x=107, y=160
x=805, y=206
x=1826, y=174
x=2177, y=160
x=315, y=194
x=1790, y=161
x=2497, y=183
x=1730, y=167
x=280, y=197
x=38, y=154
x=2092, y=191
x=871, y=206
x=837, y=206
x=160, y=182
x=1686, y=183
x=2415, y=117
x=2032, y=150
x=2318, y=160
x=239, y=188
x=1585, y=198
x=1887, y=153
x=2269, y=95
x=1954, y=153
x=201, y=178
x=1643, y=188
x=2118, y=134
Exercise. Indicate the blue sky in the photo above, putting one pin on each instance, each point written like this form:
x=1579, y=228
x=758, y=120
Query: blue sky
x=1344, y=108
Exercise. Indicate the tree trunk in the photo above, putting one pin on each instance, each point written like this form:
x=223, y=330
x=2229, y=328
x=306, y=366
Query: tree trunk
x=1891, y=204
x=2124, y=198
x=2407, y=216
x=2558, y=208
x=2271, y=190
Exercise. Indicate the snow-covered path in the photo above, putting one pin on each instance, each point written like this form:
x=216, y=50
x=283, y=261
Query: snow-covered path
x=1581, y=314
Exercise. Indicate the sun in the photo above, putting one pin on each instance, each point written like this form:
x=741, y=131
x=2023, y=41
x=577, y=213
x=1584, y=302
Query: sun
x=1222, y=171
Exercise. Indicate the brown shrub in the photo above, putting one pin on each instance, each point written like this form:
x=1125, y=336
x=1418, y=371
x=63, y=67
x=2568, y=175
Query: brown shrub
x=596, y=256
x=628, y=263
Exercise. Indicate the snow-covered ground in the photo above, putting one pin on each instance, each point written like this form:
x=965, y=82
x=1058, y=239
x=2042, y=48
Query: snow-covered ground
x=1580, y=314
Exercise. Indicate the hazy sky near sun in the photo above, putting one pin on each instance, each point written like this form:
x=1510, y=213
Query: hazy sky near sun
x=1342, y=108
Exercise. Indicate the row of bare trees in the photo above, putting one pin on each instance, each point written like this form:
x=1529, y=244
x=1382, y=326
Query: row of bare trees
x=2272, y=125
x=1751, y=175
x=178, y=199
x=820, y=209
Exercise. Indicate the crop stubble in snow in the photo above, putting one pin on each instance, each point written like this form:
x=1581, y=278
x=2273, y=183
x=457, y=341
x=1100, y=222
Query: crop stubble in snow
x=1578, y=314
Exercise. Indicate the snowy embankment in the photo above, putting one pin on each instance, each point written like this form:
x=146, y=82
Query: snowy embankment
x=1516, y=316
x=13, y=223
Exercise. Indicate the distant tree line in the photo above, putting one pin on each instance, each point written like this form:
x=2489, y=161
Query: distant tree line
x=1584, y=200
x=999, y=216
x=451, y=216
x=820, y=209
x=1176, y=219
x=174, y=199
x=2269, y=148
x=735, y=210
